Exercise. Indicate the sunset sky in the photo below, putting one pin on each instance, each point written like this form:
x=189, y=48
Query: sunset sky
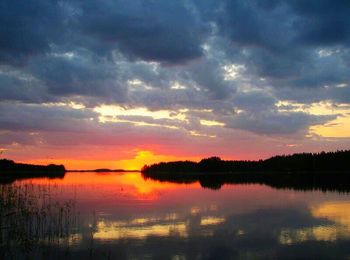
x=120, y=84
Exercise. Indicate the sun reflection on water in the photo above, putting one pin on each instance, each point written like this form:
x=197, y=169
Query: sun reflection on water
x=116, y=230
x=336, y=212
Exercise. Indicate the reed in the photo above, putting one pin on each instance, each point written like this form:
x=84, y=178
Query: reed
x=31, y=220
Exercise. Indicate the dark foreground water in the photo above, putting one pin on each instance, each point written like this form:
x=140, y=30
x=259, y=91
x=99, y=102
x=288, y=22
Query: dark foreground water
x=123, y=216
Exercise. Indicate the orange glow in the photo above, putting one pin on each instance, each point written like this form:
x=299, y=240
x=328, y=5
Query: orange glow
x=336, y=211
x=139, y=159
x=143, y=157
x=119, y=230
x=339, y=127
x=131, y=182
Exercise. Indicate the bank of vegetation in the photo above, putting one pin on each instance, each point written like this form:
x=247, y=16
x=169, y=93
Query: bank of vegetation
x=303, y=171
x=10, y=171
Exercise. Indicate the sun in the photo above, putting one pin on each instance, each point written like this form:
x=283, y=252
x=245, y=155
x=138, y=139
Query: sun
x=143, y=157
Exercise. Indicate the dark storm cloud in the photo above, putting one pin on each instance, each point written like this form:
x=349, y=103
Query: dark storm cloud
x=38, y=36
x=94, y=52
x=27, y=28
x=25, y=90
x=275, y=39
x=78, y=75
x=273, y=122
x=278, y=24
x=281, y=39
x=254, y=101
x=323, y=22
x=260, y=115
x=209, y=76
x=164, y=31
x=32, y=118
x=152, y=30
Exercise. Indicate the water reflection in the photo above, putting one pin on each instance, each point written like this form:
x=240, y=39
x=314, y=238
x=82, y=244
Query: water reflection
x=123, y=216
x=115, y=230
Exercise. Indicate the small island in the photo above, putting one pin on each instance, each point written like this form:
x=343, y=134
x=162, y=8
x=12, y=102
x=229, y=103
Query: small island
x=301, y=171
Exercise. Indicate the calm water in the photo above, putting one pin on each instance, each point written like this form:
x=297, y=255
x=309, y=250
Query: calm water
x=123, y=216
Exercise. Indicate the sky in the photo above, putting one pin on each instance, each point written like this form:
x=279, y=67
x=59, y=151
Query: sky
x=119, y=84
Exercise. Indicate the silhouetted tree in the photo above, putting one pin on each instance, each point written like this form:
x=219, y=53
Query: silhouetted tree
x=211, y=164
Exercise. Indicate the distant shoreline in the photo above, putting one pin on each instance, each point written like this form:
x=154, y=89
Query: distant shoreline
x=299, y=169
x=103, y=170
x=11, y=171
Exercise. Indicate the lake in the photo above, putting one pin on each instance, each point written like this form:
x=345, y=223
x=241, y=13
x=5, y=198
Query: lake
x=124, y=216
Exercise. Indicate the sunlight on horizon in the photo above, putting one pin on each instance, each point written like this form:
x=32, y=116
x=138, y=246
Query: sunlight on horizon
x=140, y=158
x=337, y=128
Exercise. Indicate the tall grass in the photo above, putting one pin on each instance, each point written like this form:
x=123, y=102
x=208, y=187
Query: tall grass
x=30, y=221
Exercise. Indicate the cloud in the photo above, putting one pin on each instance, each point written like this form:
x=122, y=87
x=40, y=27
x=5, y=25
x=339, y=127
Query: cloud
x=172, y=55
x=283, y=41
x=48, y=117
x=78, y=75
x=155, y=31
x=272, y=122
x=327, y=22
x=20, y=88
x=28, y=28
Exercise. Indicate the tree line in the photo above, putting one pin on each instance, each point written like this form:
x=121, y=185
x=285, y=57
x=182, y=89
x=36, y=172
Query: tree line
x=12, y=170
x=323, y=161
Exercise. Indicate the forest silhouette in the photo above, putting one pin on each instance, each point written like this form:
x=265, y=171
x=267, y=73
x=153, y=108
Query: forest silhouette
x=327, y=171
x=11, y=171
